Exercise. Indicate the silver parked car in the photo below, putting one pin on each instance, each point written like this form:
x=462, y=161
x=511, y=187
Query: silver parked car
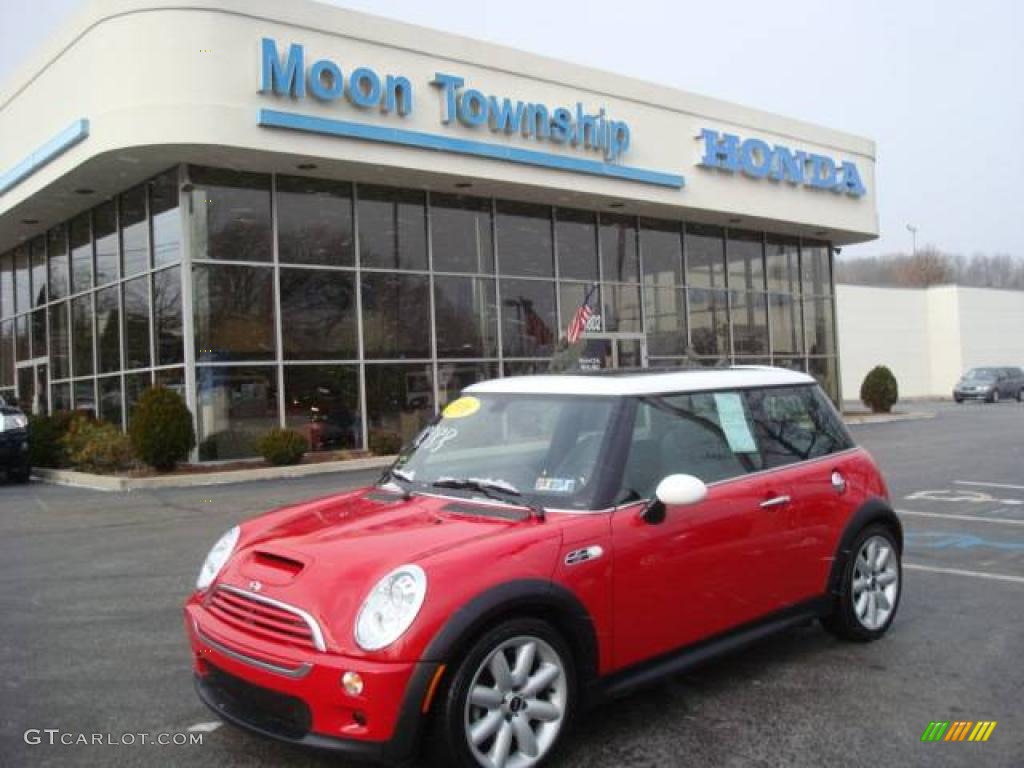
x=990, y=384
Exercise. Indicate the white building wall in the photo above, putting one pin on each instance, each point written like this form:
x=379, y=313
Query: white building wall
x=927, y=337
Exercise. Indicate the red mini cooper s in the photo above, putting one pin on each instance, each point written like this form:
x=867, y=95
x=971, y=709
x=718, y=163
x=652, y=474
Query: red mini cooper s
x=546, y=542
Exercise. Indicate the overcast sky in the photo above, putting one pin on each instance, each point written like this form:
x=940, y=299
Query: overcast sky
x=936, y=84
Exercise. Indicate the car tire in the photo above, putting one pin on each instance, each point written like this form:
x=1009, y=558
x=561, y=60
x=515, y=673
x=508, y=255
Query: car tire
x=958, y=400
x=1020, y=395
x=473, y=733
x=22, y=475
x=869, y=589
x=994, y=397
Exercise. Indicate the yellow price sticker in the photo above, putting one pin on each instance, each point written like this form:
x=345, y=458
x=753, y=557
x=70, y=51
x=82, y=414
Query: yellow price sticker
x=458, y=409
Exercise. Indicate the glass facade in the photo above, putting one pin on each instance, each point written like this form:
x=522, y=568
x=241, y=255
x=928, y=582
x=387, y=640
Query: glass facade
x=353, y=312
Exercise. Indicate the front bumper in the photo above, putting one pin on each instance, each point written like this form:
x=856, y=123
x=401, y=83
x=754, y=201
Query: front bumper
x=14, y=450
x=972, y=394
x=297, y=696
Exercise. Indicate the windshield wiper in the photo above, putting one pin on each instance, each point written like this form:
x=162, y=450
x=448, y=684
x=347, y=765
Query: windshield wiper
x=400, y=479
x=498, y=490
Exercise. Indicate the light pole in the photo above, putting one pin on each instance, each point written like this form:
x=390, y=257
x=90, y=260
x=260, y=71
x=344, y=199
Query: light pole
x=913, y=234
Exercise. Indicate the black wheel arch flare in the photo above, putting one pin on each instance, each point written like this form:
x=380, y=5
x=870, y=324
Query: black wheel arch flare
x=873, y=511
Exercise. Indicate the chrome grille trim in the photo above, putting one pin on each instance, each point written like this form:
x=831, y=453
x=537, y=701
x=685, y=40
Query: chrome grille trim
x=314, y=628
x=296, y=673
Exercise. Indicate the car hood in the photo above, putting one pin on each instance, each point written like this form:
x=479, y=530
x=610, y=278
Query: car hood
x=325, y=556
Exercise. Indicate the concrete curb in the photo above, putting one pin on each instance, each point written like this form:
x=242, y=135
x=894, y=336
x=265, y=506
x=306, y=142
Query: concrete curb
x=859, y=419
x=114, y=483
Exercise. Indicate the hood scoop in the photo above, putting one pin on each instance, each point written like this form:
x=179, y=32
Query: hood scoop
x=272, y=567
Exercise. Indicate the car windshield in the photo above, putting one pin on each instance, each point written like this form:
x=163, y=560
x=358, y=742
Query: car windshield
x=980, y=374
x=537, y=449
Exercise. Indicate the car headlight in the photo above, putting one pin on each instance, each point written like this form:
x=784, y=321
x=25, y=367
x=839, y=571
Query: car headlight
x=391, y=607
x=219, y=555
x=12, y=421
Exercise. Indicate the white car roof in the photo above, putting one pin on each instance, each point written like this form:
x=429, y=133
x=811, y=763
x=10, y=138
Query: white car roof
x=698, y=380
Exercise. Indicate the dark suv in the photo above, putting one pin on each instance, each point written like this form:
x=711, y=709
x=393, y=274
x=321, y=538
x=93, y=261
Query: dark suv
x=14, y=458
x=990, y=384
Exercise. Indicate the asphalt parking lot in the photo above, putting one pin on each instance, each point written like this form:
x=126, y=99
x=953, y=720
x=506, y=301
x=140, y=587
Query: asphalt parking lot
x=91, y=639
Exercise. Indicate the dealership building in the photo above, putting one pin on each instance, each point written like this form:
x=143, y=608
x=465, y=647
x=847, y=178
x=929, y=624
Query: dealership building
x=299, y=215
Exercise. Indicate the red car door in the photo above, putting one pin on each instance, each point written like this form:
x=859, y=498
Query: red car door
x=705, y=567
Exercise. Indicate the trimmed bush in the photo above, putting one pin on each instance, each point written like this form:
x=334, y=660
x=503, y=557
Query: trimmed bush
x=879, y=392
x=384, y=442
x=44, y=439
x=282, y=446
x=161, y=429
x=95, y=446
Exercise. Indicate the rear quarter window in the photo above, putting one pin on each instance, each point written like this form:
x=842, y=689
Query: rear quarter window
x=795, y=424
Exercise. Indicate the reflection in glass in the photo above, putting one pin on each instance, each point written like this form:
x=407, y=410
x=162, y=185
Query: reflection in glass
x=7, y=353
x=399, y=403
x=108, y=330
x=167, y=316
x=81, y=253
x=618, y=248
x=85, y=395
x=236, y=405
x=172, y=379
x=136, y=323
x=749, y=323
x=166, y=222
x=392, y=228
x=314, y=222
x=57, y=253
x=110, y=399
x=705, y=256
x=576, y=238
x=230, y=215
x=661, y=244
x=784, y=316
x=81, y=335
x=234, y=312
x=666, y=320
x=452, y=378
x=524, y=239
x=322, y=402
x=134, y=385
x=466, y=317
x=60, y=397
x=814, y=260
x=37, y=251
x=104, y=228
x=621, y=308
x=396, y=315
x=134, y=243
x=318, y=314
x=783, y=264
x=7, y=285
x=526, y=367
x=460, y=234
x=60, y=360
x=818, y=326
x=745, y=255
x=528, y=323
x=22, y=346
x=826, y=371
x=709, y=322
x=39, y=333
x=571, y=296
x=22, y=280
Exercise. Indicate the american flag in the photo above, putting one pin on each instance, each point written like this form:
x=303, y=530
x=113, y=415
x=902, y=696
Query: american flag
x=578, y=324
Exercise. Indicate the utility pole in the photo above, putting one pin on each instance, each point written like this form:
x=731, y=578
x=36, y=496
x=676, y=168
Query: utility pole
x=913, y=234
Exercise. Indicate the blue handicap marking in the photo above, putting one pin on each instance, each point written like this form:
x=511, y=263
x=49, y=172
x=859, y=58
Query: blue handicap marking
x=944, y=540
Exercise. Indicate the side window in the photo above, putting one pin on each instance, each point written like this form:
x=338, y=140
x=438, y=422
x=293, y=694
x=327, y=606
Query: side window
x=795, y=424
x=708, y=435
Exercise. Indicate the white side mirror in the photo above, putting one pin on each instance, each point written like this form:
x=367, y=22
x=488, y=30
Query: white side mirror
x=678, y=490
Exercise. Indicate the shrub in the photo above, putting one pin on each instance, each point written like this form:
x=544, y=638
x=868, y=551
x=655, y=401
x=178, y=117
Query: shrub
x=161, y=429
x=282, y=446
x=384, y=442
x=879, y=392
x=44, y=439
x=95, y=446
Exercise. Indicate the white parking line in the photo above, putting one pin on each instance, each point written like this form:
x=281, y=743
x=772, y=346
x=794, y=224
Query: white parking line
x=960, y=572
x=990, y=485
x=208, y=727
x=971, y=518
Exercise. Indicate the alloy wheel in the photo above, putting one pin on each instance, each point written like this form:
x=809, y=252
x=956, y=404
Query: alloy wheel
x=876, y=582
x=516, y=704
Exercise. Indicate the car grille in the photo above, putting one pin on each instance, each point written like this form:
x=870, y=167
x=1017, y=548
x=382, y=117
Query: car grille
x=261, y=708
x=264, y=618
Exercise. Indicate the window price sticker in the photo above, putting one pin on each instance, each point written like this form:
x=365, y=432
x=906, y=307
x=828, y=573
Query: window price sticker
x=733, y=420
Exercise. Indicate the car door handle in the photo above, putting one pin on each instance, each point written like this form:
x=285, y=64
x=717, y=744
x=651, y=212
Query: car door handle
x=776, y=501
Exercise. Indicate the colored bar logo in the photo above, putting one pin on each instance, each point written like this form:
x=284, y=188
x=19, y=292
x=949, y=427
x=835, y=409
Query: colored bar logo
x=958, y=730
